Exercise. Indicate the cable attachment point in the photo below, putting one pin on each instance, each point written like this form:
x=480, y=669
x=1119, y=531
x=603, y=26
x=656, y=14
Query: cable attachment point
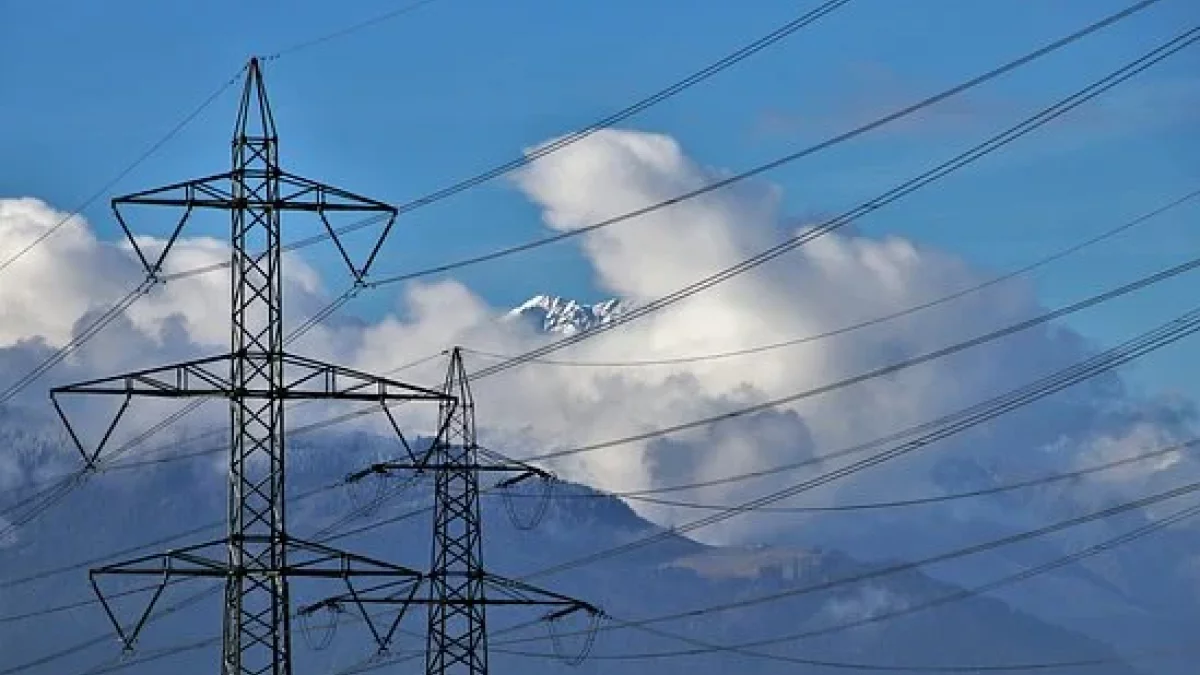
x=508, y=490
x=319, y=637
x=595, y=616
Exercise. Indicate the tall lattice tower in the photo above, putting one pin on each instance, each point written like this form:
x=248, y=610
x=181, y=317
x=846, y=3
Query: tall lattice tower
x=258, y=377
x=459, y=588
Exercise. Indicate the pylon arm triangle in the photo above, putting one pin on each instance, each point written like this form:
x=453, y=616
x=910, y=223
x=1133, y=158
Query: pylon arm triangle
x=295, y=193
x=211, y=560
x=304, y=379
x=401, y=594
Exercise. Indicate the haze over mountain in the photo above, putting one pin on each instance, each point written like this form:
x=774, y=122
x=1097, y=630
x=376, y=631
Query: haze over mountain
x=676, y=574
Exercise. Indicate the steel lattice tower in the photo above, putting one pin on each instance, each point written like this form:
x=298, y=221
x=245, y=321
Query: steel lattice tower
x=459, y=588
x=458, y=623
x=257, y=377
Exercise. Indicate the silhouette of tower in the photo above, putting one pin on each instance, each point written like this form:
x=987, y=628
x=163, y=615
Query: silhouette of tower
x=258, y=377
x=460, y=589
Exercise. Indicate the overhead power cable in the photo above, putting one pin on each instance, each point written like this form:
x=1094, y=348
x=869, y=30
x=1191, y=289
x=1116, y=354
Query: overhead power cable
x=892, y=368
x=1166, y=334
x=1109, y=20
x=786, y=159
x=449, y=191
x=907, y=311
x=88, y=332
x=1049, y=479
x=973, y=550
x=138, y=161
x=934, y=431
x=1089, y=92
x=635, y=108
x=961, y=594
x=977, y=152
x=881, y=371
x=340, y=301
x=353, y=28
x=808, y=393
x=1041, y=262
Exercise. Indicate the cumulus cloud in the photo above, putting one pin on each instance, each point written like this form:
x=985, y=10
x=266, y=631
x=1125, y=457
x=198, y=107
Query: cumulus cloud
x=838, y=279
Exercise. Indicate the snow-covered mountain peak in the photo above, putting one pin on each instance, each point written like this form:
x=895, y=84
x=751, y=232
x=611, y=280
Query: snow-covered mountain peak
x=555, y=314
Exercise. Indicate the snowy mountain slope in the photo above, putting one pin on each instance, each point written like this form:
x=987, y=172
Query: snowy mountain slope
x=675, y=574
x=1142, y=594
x=554, y=314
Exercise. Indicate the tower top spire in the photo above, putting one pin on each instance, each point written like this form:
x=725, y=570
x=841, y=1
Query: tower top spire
x=255, y=122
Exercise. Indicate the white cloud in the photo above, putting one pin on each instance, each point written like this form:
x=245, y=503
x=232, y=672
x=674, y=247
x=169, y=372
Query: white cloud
x=836, y=280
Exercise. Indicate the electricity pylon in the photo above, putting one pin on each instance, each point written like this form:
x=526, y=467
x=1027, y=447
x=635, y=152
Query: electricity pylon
x=459, y=588
x=258, y=556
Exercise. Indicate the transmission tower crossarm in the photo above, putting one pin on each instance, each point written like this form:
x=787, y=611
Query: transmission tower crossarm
x=496, y=462
x=304, y=379
x=210, y=560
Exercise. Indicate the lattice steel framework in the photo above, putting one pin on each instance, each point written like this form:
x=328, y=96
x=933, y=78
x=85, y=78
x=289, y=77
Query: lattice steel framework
x=459, y=588
x=257, y=377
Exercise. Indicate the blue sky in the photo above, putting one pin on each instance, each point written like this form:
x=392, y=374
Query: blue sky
x=422, y=100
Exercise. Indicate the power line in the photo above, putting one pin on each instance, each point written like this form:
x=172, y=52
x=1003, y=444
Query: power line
x=992, y=74
x=983, y=149
x=1040, y=532
x=1044, y=318
x=979, y=151
x=908, y=311
x=353, y=28
x=949, y=425
x=1164, y=335
x=449, y=191
x=893, y=367
x=149, y=152
x=893, y=569
x=936, y=499
x=763, y=168
x=882, y=371
x=544, y=150
x=88, y=332
x=886, y=370
x=960, y=595
x=934, y=431
x=965, y=158
x=955, y=554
